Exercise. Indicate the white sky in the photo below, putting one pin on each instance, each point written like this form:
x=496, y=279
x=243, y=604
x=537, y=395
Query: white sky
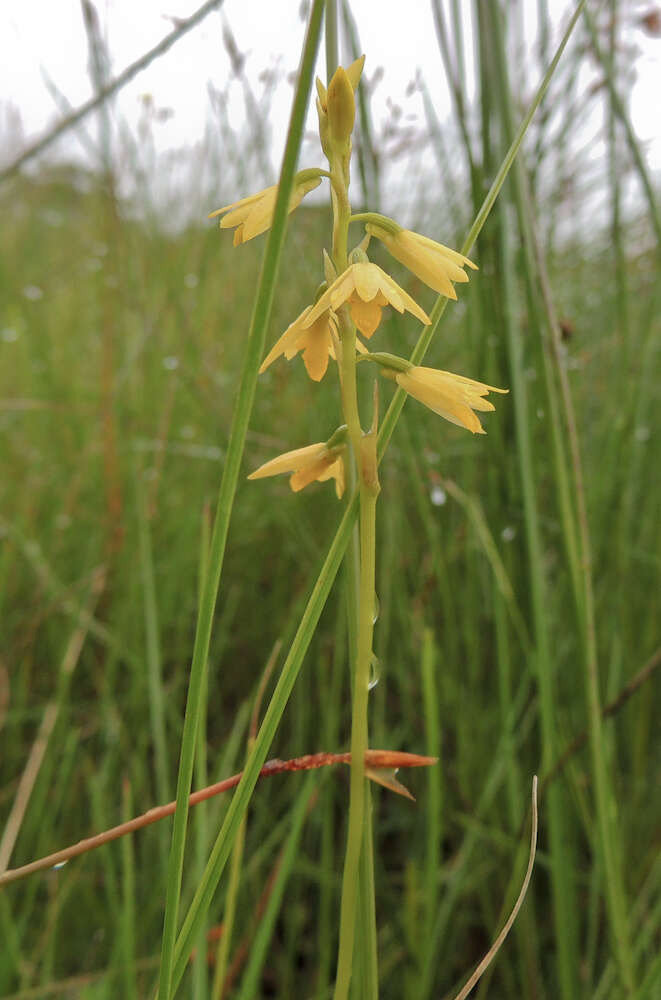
x=48, y=35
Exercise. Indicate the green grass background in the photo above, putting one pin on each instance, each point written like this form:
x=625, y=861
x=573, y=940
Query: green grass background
x=121, y=346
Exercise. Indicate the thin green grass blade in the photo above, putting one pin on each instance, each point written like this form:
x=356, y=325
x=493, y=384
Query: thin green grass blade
x=434, y=823
x=128, y=919
x=243, y=409
x=153, y=652
x=261, y=940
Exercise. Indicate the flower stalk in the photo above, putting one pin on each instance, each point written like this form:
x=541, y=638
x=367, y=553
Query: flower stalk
x=367, y=562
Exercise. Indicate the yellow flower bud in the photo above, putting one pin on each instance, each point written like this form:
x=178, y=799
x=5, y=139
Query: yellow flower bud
x=341, y=107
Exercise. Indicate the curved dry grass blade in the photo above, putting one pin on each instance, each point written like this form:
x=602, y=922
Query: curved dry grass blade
x=495, y=947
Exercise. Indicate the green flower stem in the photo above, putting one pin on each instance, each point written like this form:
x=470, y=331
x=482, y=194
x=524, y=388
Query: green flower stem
x=359, y=738
x=341, y=216
x=358, y=868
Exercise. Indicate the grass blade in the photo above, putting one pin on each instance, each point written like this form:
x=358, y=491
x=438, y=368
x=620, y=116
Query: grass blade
x=254, y=351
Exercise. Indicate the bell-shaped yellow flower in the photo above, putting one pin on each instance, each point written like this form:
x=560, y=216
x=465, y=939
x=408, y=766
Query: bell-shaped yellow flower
x=316, y=342
x=366, y=288
x=316, y=462
x=253, y=215
x=452, y=396
x=438, y=266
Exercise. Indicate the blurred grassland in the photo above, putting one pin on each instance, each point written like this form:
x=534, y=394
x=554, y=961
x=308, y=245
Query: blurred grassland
x=120, y=352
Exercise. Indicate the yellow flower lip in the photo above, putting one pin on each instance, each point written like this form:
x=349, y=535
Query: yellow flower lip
x=366, y=288
x=435, y=264
x=316, y=462
x=453, y=397
x=253, y=215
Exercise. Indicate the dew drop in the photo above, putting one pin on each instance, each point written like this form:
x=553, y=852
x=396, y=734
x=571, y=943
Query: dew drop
x=438, y=496
x=377, y=609
x=375, y=668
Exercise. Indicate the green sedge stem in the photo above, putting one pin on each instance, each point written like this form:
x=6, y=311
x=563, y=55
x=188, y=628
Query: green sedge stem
x=359, y=742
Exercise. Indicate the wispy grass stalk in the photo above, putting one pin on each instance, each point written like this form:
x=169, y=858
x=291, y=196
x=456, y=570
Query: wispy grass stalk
x=153, y=652
x=619, y=109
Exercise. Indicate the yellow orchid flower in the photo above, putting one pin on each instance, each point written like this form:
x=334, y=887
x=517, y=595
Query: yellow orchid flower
x=315, y=462
x=253, y=215
x=437, y=265
x=317, y=343
x=454, y=397
x=366, y=288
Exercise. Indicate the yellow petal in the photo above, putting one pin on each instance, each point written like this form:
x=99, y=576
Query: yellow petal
x=310, y=473
x=332, y=298
x=290, y=461
x=454, y=255
x=287, y=343
x=241, y=204
x=394, y=292
x=435, y=264
x=336, y=472
x=315, y=355
x=366, y=279
x=443, y=379
x=366, y=315
x=446, y=406
x=260, y=217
